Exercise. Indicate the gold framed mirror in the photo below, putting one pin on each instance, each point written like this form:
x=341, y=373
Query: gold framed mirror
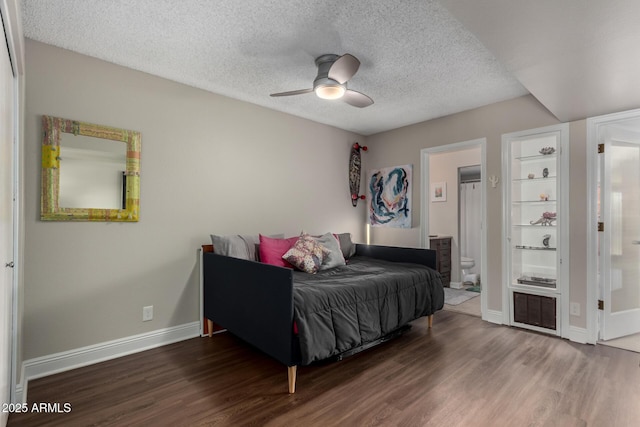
x=89, y=172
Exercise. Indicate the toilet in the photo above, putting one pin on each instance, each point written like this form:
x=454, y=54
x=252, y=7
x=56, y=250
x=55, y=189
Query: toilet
x=466, y=264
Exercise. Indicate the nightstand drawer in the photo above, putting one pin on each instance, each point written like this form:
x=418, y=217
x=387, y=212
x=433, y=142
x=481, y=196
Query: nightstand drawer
x=444, y=256
x=446, y=278
x=442, y=246
x=444, y=266
x=445, y=244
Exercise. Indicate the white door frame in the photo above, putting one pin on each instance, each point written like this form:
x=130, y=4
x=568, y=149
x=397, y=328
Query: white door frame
x=11, y=15
x=425, y=201
x=593, y=327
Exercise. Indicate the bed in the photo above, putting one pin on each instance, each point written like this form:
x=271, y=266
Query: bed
x=299, y=318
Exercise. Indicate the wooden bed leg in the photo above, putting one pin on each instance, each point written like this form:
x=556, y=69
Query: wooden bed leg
x=210, y=327
x=430, y=320
x=291, y=371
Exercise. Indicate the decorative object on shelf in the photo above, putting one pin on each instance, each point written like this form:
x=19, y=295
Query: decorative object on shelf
x=531, y=175
x=545, y=172
x=547, y=150
x=544, y=197
x=439, y=192
x=355, y=167
x=537, y=281
x=548, y=218
x=494, y=180
x=390, y=197
x=545, y=240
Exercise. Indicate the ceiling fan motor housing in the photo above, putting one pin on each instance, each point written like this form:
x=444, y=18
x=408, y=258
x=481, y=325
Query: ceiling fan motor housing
x=324, y=63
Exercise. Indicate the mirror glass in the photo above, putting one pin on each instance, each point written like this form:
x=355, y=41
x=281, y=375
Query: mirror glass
x=89, y=172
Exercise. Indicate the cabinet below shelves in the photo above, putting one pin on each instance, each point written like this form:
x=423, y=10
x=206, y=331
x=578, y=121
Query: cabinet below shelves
x=535, y=310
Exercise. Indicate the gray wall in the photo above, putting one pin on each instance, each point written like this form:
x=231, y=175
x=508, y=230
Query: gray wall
x=402, y=146
x=209, y=164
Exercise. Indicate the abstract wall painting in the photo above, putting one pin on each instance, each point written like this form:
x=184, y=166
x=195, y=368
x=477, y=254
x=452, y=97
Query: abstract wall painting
x=390, y=197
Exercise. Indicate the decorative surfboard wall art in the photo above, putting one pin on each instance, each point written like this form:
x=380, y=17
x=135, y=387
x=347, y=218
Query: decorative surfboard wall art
x=355, y=170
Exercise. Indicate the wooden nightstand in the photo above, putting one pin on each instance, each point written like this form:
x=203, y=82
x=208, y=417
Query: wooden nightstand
x=442, y=246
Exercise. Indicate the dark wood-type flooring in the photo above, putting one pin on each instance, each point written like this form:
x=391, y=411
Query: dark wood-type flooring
x=463, y=372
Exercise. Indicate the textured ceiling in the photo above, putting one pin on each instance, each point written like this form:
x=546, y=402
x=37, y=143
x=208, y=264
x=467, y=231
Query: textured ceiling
x=579, y=58
x=417, y=61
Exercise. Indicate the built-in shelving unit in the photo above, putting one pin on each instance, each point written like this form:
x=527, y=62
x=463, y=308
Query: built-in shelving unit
x=535, y=239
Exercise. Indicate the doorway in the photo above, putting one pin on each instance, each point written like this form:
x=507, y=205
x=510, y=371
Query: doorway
x=439, y=214
x=470, y=226
x=615, y=248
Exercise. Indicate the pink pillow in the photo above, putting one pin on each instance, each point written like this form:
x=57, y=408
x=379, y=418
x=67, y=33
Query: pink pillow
x=271, y=250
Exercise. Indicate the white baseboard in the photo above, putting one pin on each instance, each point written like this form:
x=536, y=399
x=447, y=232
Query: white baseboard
x=493, y=316
x=578, y=335
x=21, y=389
x=72, y=359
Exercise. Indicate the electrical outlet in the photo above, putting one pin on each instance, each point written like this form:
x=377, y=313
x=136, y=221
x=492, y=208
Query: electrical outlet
x=574, y=309
x=147, y=313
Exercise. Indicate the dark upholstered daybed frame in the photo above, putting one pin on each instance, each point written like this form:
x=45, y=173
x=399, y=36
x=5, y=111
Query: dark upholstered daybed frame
x=254, y=301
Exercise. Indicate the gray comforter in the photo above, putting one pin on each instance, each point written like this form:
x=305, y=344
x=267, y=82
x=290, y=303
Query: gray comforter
x=348, y=306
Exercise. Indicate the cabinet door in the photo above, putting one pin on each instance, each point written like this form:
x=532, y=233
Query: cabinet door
x=534, y=310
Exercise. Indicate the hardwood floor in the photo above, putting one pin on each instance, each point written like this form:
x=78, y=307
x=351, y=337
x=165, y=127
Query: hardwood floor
x=463, y=372
x=471, y=307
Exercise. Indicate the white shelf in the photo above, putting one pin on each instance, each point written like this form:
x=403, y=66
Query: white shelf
x=532, y=180
x=531, y=202
x=534, y=248
x=536, y=157
x=538, y=290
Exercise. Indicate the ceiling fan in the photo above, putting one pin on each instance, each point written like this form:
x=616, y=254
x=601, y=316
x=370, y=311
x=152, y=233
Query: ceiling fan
x=331, y=82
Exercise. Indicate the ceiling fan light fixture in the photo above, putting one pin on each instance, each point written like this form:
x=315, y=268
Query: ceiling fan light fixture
x=330, y=91
x=331, y=81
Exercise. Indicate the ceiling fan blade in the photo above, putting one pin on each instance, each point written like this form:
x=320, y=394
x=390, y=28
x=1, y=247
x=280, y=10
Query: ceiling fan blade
x=293, y=92
x=343, y=68
x=357, y=99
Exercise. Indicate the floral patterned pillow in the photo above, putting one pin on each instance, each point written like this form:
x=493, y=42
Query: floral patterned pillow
x=306, y=254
